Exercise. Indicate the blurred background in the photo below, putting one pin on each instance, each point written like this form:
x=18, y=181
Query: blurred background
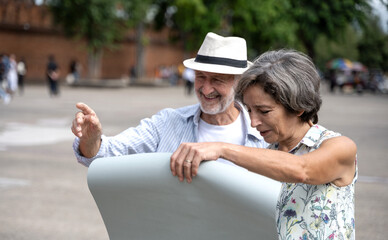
x=126, y=46
x=145, y=41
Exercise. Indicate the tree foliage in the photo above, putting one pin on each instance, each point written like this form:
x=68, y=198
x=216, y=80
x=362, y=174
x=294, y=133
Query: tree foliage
x=322, y=29
x=344, y=46
x=98, y=22
x=265, y=24
x=373, y=46
x=190, y=19
x=329, y=18
x=95, y=21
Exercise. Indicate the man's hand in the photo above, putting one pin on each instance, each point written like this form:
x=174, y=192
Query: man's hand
x=87, y=127
x=186, y=159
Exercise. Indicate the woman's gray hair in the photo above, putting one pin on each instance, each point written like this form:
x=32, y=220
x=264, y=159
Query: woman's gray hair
x=290, y=77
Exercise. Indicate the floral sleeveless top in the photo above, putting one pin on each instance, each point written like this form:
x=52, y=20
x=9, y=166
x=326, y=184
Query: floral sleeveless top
x=315, y=211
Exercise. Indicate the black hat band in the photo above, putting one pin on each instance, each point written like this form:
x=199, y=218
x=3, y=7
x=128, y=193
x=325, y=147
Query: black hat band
x=221, y=61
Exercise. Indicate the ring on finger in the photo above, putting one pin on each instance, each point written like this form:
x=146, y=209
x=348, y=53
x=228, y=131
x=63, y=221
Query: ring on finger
x=188, y=161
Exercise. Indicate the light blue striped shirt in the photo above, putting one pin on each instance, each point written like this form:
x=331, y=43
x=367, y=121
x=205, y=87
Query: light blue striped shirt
x=163, y=132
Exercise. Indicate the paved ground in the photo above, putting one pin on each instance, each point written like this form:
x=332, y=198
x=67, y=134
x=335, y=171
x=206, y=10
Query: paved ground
x=43, y=190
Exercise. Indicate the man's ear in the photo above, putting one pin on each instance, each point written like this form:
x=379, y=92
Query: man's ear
x=236, y=80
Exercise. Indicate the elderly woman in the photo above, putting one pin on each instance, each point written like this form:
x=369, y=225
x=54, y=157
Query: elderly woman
x=317, y=166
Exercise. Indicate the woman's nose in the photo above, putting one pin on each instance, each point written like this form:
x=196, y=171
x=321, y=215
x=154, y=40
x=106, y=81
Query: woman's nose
x=255, y=120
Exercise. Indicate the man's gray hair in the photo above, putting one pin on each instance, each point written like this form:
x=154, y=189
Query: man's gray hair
x=290, y=77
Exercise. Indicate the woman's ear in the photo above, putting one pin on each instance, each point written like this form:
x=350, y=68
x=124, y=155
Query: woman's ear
x=300, y=113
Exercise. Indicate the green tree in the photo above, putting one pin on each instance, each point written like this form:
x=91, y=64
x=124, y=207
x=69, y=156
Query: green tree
x=373, y=46
x=329, y=18
x=262, y=23
x=136, y=15
x=265, y=24
x=189, y=20
x=95, y=21
x=345, y=46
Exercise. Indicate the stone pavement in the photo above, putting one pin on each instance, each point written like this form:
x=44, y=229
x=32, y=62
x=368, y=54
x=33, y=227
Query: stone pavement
x=43, y=190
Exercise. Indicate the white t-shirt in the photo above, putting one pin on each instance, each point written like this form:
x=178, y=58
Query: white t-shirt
x=232, y=133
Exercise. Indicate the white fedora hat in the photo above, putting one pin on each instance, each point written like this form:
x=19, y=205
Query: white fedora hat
x=227, y=55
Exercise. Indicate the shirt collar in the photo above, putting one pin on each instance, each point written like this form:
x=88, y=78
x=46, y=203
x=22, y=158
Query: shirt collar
x=310, y=139
x=313, y=135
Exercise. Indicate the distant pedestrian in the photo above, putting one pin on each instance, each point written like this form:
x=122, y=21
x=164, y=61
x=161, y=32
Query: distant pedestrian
x=75, y=70
x=5, y=97
x=333, y=80
x=189, y=77
x=173, y=76
x=133, y=74
x=358, y=84
x=52, y=76
x=21, y=70
x=341, y=80
x=4, y=67
x=12, y=75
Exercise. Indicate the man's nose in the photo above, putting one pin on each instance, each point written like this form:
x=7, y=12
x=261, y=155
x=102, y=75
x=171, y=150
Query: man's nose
x=207, y=87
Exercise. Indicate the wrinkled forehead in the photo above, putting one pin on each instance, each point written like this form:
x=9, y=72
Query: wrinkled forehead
x=220, y=76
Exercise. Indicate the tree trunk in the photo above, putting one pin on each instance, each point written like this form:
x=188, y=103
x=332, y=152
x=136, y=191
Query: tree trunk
x=139, y=51
x=310, y=50
x=94, y=64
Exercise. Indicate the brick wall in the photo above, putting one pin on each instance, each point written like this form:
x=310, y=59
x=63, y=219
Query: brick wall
x=26, y=31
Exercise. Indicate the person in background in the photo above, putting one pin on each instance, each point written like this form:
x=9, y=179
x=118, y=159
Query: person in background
x=332, y=80
x=341, y=80
x=217, y=117
x=133, y=74
x=21, y=70
x=4, y=66
x=12, y=75
x=75, y=69
x=53, y=73
x=317, y=166
x=189, y=78
x=358, y=83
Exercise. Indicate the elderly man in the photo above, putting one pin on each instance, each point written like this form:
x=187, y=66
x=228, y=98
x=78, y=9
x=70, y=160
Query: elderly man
x=217, y=117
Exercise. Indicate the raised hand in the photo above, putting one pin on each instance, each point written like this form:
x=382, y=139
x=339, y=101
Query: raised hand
x=87, y=127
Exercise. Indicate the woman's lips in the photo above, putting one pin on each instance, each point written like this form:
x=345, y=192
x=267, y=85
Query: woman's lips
x=264, y=133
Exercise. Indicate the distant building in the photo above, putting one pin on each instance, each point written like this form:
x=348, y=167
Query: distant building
x=26, y=29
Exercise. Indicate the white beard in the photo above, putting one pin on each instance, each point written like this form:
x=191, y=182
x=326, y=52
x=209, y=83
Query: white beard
x=220, y=107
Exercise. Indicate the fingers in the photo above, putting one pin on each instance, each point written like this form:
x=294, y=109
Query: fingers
x=184, y=160
x=187, y=164
x=194, y=165
x=173, y=161
x=84, y=108
x=78, y=121
x=177, y=161
x=84, y=119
